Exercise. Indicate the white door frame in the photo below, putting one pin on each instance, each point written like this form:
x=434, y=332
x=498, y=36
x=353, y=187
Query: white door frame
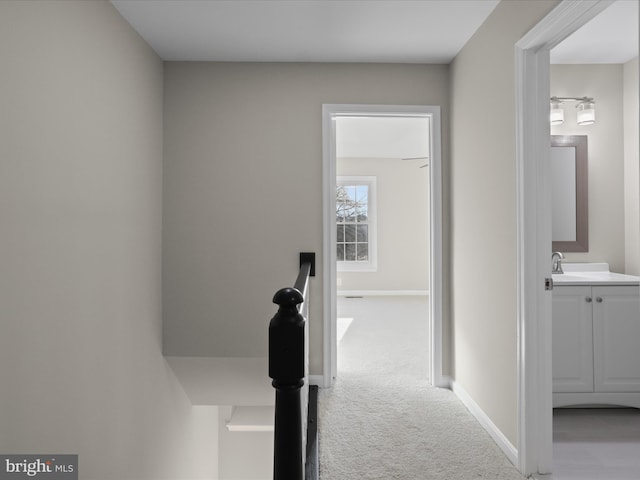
x=329, y=113
x=535, y=412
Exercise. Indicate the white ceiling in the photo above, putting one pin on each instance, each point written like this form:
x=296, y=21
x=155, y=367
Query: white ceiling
x=377, y=31
x=382, y=137
x=611, y=37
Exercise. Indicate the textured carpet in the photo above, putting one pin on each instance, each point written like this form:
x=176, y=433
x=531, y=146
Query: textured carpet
x=381, y=419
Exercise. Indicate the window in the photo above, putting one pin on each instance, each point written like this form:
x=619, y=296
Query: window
x=356, y=223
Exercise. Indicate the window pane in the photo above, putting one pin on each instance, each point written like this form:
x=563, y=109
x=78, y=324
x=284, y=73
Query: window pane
x=362, y=233
x=340, y=252
x=341, y=193
x=362, y=192
x=349, y=233
x=340, y=236
x=362, y=201
x=363, y=252
x=342, y=202
x=351, y=192
x=350, y=214
x=348, y=202
x=342, y=210
x=350, y=252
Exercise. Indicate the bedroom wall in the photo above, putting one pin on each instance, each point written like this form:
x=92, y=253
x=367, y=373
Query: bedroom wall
x=403, y=225
x=235, y=448
x=243, y=189
x=81, y=365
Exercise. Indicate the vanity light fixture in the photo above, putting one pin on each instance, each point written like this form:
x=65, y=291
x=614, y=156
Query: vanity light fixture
x=586, y=112
x=556, y=115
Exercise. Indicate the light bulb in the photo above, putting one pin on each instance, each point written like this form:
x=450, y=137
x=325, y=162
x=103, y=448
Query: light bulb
x=586, y=114
x=556, y=114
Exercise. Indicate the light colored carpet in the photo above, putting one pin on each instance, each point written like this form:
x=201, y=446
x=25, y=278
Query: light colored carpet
x=381, y=419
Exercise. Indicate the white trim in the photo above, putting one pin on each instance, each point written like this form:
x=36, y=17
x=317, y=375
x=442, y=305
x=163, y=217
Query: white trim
x=534, y=453
x=251, y=419
x=249, y=428
x=534, y=392
x=329, y=112
x=436, y=286
x=590, y=399
x=329, y=339
x=380, y=293
x=505, y=445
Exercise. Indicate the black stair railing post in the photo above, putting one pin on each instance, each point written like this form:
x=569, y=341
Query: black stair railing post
x=286, y=368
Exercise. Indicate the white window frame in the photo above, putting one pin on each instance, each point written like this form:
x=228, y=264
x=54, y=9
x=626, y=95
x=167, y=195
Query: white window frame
x=370, y=265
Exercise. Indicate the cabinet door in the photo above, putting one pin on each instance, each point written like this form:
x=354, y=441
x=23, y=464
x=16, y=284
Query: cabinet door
x=616, y=339
x=572, y=340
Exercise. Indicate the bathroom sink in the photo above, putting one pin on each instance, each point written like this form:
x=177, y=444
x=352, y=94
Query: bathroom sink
x=592, y=274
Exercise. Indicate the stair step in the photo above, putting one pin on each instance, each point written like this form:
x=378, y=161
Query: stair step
x=251, y=419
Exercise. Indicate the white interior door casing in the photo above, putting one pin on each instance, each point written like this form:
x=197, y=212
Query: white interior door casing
x=330, y=112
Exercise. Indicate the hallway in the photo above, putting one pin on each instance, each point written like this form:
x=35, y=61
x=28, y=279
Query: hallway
x=383, y=328
x=382, y=420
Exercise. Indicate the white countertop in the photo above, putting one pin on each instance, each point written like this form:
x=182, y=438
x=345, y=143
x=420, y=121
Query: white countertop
x=592, y=274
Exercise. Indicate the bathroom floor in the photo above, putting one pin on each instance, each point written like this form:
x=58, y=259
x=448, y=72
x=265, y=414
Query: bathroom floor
x=595, y=444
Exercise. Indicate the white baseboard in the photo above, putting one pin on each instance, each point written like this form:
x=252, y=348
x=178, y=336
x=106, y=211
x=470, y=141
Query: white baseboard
x=505, y=445
x=379, y=293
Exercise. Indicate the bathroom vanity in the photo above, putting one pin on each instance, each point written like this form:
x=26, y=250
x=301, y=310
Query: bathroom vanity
x=596, y=336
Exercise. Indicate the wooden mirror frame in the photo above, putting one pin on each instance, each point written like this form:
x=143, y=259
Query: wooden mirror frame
x=581, y=244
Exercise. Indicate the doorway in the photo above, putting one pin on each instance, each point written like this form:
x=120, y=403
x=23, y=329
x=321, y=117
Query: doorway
x=534, y=230
x=606, y=439
x=332, y=115
x=382, y=166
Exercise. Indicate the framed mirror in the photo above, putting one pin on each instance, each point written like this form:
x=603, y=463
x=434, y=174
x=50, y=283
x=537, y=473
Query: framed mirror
x=569, y=193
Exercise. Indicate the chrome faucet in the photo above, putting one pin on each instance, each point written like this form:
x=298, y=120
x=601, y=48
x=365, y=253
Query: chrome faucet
x=556, y=259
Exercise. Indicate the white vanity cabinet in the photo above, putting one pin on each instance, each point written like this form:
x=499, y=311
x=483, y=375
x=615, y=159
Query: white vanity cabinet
x=596, y=345
x=572, y=339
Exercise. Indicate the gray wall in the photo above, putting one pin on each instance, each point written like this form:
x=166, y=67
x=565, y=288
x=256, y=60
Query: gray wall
x=631, y=117
x=81, y=366
x=606, y=155
x=243, y=455
x=243, y=189
x=483, y=214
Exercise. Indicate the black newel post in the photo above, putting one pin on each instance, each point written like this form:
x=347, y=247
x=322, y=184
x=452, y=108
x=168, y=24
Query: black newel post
x=286, y=368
